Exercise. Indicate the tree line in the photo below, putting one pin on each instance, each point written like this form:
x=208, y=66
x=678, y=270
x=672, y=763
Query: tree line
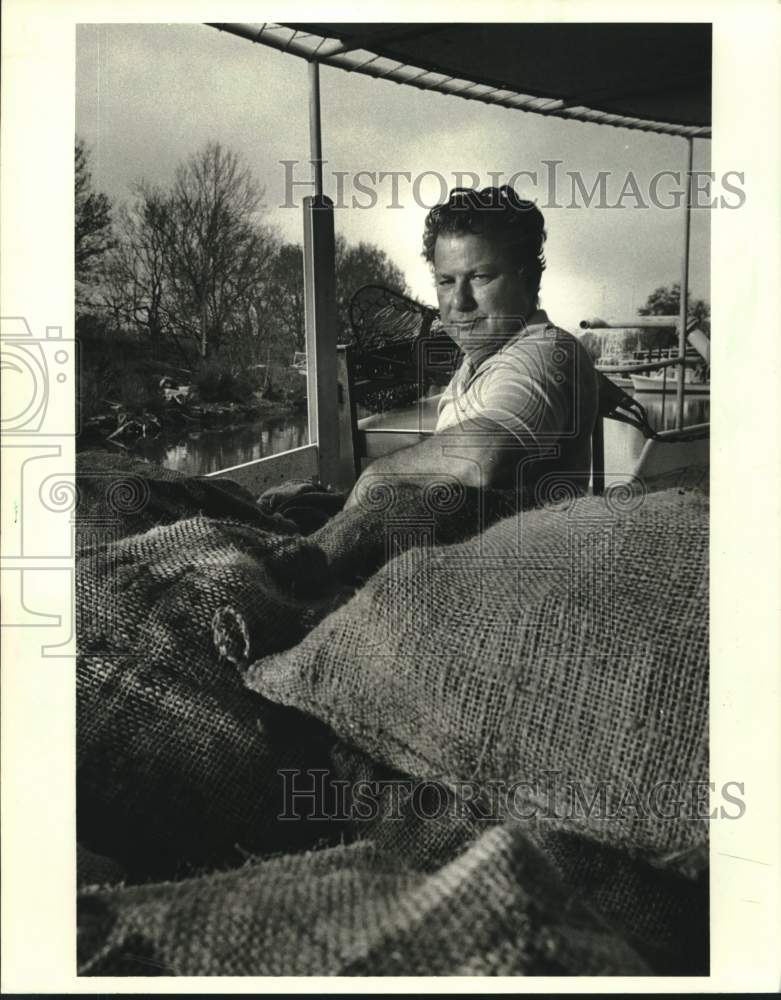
x=662, y=301
x=195, y=264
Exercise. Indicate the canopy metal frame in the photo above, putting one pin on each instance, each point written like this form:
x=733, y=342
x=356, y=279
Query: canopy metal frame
x=355, y=55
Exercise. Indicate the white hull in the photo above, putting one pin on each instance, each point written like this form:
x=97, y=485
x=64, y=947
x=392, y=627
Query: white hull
x=644, y=383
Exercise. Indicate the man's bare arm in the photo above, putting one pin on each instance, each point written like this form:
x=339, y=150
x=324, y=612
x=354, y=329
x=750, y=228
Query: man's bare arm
x=476, y=454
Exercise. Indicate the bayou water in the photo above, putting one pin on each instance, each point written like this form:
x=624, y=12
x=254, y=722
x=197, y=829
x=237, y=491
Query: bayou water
x=201, y=452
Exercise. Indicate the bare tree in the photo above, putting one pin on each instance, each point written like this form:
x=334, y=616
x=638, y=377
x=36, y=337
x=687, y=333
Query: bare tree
x=136, y=275
x=93, y=236
x=197, y=262
x=287, y=298
x=218, y=253
x=194, y=262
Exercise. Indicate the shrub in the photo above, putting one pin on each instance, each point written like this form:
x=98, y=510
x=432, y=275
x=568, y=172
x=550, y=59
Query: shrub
x=136, y=394
x=286, y=386
x=90, y=391
x=216, y=381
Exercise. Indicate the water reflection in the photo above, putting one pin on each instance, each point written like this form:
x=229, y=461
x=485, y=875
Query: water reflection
x=208, y=451
x=623, y=443
x=198, y=453
x=662, y=413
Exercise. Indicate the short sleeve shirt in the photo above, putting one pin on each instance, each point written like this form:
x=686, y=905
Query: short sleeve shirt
x=540, y=386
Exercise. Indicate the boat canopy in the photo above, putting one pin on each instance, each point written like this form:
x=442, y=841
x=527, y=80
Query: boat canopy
x=645, y=76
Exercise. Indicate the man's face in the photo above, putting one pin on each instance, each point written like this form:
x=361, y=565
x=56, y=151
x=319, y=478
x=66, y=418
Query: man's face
x=482, y=295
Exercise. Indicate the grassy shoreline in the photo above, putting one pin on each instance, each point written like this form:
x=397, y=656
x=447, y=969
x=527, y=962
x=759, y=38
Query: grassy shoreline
x=130, y=389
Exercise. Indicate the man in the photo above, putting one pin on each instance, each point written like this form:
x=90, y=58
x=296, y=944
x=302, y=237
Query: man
x=520, y=410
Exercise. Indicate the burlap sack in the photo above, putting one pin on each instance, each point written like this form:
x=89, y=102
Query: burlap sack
x=177, y=760
x=565, y=648
x=497, y=909
x=95, y=869
x=122, y=495
x=179, y=764
x=663, y=913
x=156, y=593
x=172, y=776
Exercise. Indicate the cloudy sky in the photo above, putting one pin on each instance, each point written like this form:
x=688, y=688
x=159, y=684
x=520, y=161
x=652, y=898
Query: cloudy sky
x=148, y=96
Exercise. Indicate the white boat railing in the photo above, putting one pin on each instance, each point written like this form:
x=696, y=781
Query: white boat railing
x=696, y=338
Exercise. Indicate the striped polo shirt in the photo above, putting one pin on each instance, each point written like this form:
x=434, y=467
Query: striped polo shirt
x=540, y=386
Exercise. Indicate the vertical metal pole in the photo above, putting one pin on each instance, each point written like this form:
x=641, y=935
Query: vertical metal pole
x=320, y=304
x=598, y=458
x=682, y=316
x=664, y=395
x=315, y=134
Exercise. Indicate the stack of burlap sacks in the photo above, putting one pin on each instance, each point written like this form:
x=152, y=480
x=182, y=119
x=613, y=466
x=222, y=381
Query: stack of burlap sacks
x=557, y=657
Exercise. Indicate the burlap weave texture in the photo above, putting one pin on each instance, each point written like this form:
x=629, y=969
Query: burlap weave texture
x=216, y=652
x=570, y=641
x=497, y=909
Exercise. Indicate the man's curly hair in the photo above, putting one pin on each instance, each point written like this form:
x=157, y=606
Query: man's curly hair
x=494, y=212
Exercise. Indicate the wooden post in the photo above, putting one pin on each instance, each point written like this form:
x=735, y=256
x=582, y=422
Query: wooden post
x=349, y=458
x=320, y=303
x=684, y=283
x=320, y=318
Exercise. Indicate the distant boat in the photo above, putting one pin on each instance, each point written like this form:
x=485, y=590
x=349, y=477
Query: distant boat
x=656, y=383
